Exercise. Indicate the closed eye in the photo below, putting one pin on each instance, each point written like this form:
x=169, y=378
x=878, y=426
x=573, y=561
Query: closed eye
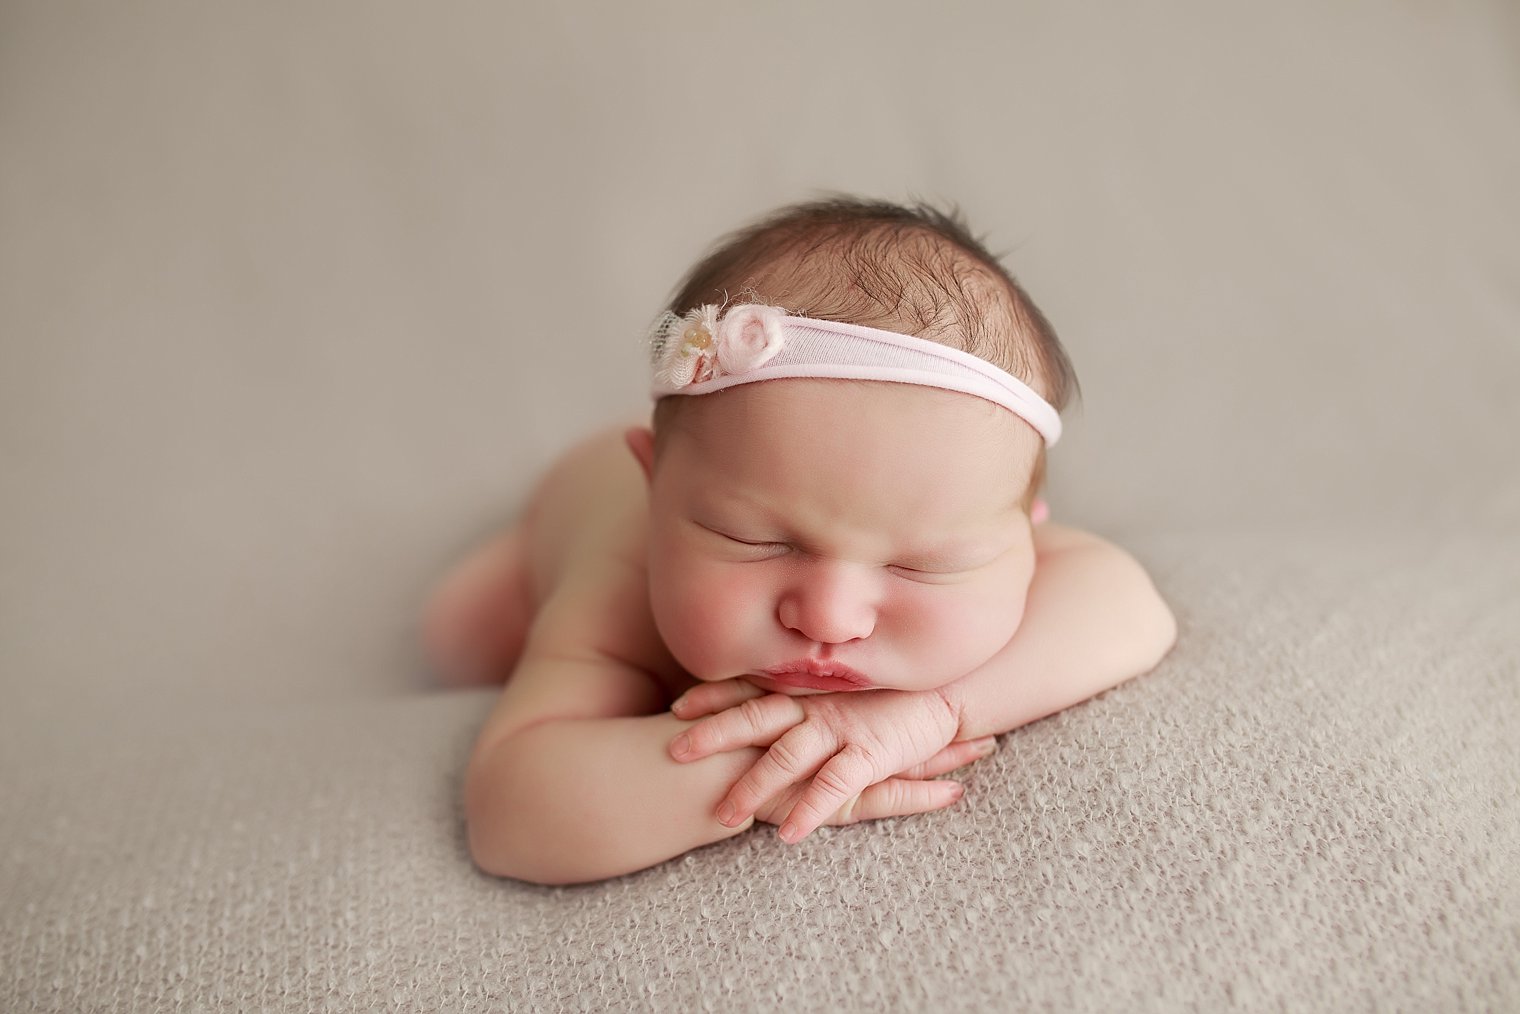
x=748, y=542
x=941, y=571
x=923, y=575
x=760, y=546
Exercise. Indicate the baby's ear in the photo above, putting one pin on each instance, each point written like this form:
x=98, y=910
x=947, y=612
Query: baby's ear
x=641, y=442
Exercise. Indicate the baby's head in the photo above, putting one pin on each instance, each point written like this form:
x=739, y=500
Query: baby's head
x=819, y=530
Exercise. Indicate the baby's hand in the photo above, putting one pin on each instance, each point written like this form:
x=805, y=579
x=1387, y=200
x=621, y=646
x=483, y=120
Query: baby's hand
x=849, y=744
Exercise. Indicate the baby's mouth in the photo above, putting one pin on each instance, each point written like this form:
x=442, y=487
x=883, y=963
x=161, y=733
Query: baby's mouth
x=817, y=674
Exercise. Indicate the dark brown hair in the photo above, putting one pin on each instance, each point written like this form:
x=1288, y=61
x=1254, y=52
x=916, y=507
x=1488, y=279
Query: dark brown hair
x=910, y=268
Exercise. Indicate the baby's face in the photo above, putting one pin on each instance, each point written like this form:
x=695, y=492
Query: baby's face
x=817, y=535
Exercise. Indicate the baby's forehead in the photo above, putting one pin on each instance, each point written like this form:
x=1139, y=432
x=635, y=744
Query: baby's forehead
x=849, y=430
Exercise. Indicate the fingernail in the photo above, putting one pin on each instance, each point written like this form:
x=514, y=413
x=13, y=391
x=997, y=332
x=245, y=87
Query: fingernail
x=988, y=745
x=681, y=746
x=789, y=833
x=678, y=704
x=726, y=814
x=957, y=791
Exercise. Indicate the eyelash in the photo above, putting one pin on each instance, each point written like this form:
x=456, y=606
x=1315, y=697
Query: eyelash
x=922, y=576
x=909, y=573
x=781, y=549
x=781, y=546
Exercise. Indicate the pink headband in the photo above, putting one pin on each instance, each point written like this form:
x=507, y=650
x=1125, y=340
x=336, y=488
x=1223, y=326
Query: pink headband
x=701, y=353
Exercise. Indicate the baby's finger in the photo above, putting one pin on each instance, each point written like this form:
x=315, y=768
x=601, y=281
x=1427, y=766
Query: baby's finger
x=759, y=721
x=845, y=776
x=711, y=698
x=791, y=759
x=951, y=757
x=899, y=797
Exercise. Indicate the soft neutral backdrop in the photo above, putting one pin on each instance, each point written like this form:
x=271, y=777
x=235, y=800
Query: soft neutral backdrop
x=295, y=300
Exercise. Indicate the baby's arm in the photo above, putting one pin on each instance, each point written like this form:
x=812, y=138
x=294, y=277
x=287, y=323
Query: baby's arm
x=570, y=800
x=1092, y=620
x=569, y=780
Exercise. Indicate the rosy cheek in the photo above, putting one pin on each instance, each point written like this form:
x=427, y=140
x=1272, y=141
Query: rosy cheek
x=955, y=630
x=705, y=611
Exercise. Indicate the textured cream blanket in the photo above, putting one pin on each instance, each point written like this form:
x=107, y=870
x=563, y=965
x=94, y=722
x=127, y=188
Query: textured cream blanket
x=294, y=301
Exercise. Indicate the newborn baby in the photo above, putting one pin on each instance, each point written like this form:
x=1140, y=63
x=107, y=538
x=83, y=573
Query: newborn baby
x=821, y=579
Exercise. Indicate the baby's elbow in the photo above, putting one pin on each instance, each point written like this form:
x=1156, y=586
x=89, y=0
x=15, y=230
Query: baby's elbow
x=494, y=849
x=1165, y=630
x=518, y=823
x=504, y=822
x=498, y=857
x=1159, y=628
x=505, y=844
x=1144, y=625
x=489, y=853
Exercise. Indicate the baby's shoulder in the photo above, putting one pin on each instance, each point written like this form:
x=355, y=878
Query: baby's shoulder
x=1050, y=537
x=596, y=604
x=600, y=610
x=589, y=504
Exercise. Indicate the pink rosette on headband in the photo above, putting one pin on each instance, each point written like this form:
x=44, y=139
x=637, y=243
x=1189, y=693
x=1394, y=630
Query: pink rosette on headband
x=700, y=347
x=749, y=336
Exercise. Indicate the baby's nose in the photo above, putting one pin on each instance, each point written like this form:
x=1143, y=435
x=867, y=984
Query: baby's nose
x=831, y=605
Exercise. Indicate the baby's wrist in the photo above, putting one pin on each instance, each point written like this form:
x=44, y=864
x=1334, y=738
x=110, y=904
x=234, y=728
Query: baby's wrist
x=953, y=696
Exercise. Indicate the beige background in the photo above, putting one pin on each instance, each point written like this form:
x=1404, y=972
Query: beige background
x=296, y=299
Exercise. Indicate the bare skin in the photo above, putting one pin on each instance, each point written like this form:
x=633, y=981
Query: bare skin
x=574, y=778
x=585, y=717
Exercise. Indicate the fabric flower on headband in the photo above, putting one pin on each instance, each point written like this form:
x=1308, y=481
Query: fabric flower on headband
x=700, y=346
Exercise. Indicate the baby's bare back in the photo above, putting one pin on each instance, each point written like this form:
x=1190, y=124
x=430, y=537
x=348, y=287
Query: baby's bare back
x=591, y=502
